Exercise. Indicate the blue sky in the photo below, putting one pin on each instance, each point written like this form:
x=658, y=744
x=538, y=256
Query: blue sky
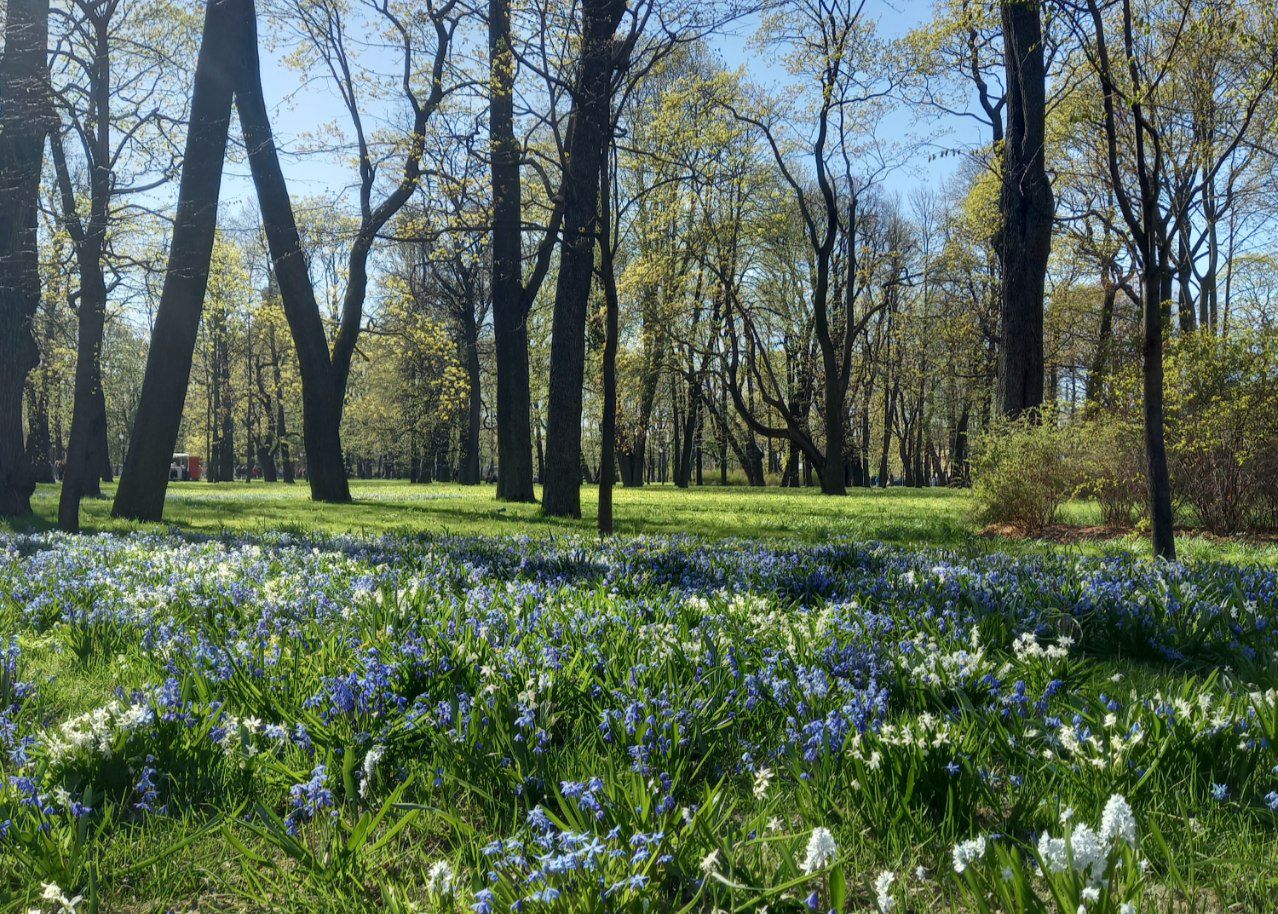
x=299, y=108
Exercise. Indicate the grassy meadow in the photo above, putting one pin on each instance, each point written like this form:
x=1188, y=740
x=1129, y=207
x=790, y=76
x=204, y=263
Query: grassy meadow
x=748, y=701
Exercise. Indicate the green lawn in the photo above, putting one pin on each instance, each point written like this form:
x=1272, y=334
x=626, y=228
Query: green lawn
x=923, y=517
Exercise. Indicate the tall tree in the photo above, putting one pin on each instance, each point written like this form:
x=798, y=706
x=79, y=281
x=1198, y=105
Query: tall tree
x=24, y=125
x=592, y=124
x=324, y=373
x=512, y=294
x=1026, y=208
x=1131, y=60
x=144, y=481
x=113, y=96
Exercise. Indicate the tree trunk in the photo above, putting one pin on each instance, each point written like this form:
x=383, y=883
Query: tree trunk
x=39, y=442
x=281, y=419
x=321, y=398
x=1160, y=498
x=469, y=473
x=561, y=493
x=958, y=461
x=608, y=423
x=1100, y=360
x=88, y=414
x=832, y=471
x=145, y=478
x=510, y=316
x=24, y=124
x=1027, y=209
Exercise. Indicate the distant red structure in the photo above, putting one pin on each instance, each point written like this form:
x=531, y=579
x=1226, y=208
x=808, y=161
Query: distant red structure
x=185, y=468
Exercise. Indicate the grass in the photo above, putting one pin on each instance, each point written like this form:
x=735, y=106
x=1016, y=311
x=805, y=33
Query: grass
x=919, y=517
x=453, y=687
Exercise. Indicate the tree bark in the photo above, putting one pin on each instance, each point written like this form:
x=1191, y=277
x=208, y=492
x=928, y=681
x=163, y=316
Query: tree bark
x=469, y=473
x=561, y=494
x=24, y=125
x=145, y=478
x=608, y=423
x=39, y=441
x=321, y=398
x=1160, y=495
x=1027, y=209
x=510, y=314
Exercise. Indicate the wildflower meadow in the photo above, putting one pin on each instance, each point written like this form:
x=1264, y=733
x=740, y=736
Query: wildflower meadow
x=655, y=724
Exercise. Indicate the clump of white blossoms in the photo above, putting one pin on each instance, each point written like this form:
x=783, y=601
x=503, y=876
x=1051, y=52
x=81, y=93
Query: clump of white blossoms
x=54, y=895
x=821, y=850
x=968, y=852
x=1087, y=850
x=95, y=732
x=883, y=891
x=439, y=879
x=762, y=781
x=1026, y=647
x=371, y=761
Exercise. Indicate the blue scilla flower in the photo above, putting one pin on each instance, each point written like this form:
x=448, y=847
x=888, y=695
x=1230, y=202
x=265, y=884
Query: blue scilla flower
x=1220, y=792
x=308, y=798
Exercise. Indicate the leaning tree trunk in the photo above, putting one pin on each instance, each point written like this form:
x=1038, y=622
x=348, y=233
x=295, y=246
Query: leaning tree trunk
x=145, y=477
x=1027, y=208
x=561, y=493
x=24, y=124
x=321, y=399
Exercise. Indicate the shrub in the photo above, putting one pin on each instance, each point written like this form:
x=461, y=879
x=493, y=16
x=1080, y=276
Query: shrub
x=1112, y=463
x=1221, y=414
x=1024, y=471
x=1222, y=427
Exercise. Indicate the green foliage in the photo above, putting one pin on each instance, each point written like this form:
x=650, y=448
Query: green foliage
x=1222, y=423
x=1112, y=462
x=1221, y=410
x=1025, y=471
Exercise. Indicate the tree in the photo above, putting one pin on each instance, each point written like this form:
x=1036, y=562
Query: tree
x=831, y=44
x=1026, y=208
x=113, y=96
x=587, y=147
x=324, y=373
x=513, y=294
x=143, y=482
x=1137, y=111
x=24, y=125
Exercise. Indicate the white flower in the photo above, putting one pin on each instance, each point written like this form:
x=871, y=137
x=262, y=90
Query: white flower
x=54, y=894
x=371, y=759
x=920, y=873
x=968, y=852
x=710, y=863
x=1117, y=822
x=821, y=850
x=1091, y=893
x=883, y=889
x=440, y=878
x=762, y=781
